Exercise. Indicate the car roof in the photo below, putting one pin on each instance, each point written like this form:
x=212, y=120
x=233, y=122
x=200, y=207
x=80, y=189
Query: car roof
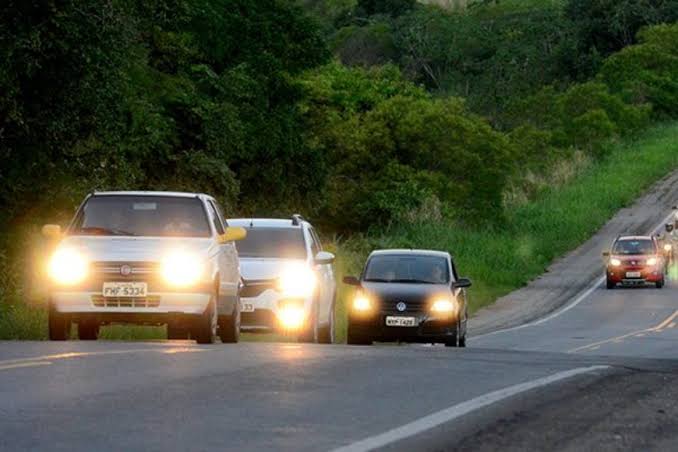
x=634, y=237
x=412, y=252
x=262, y=223
x=173, y=194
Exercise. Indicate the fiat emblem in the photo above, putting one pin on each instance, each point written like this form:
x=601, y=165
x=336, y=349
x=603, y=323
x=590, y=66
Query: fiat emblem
x=401, y=306
x=125, y=270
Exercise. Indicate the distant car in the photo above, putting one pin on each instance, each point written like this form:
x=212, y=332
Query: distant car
x=288, y=280
x=408, y=296
x=147, y=258
x=635, y=261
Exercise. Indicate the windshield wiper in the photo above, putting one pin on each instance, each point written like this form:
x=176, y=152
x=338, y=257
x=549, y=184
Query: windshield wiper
x=105, y=231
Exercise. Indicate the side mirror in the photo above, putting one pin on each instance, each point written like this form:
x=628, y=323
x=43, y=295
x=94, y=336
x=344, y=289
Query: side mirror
x=51, y=231
x=324, y=257
x=461, y=283
x=675, y=207
x=232, y=234
x=351, y=281
x=606, y=254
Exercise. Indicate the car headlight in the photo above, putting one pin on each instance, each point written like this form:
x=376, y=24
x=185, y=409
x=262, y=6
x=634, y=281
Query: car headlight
x=668, y=247
x=444, y=305
x=297, y=281
x=652, y=261
x=615, y=262
x=361, y=303
x=181, y=269
x=67, y=266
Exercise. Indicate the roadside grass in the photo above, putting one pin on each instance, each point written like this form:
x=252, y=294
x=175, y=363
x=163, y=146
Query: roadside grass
x=498, y=259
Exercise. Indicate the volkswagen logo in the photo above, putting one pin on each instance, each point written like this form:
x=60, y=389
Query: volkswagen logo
x=633, y=262
x=125, y=270
x=401, y=306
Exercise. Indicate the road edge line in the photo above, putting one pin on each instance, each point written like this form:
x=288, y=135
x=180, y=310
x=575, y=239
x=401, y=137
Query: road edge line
x=449, y=414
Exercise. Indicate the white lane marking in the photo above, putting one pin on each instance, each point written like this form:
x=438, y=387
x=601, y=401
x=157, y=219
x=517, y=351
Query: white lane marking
x=449, y=414
x=29, y=364
x=568, y=306
x=70, y=355
x=618, y=339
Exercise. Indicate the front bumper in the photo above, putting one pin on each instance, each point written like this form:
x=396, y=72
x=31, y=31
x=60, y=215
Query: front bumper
x=428, y=328
x=262, y=312
x=154, y=304
x=627, y=275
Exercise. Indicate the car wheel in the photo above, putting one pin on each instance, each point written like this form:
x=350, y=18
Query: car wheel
x=660, y=284
x=176, y=333
x=450, y=342
x=310, y=333
x=326, y=334
x=610, y=285
x=205, y=329
x=59, y=325
x=88, y=331
x=229, y=326
x=462, y=341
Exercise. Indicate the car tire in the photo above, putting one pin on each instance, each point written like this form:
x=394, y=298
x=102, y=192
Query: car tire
x=610, y=285
x=88, y=331
x=450, y=342
x=59, y=325
x=175, y=333
x=462, y=342
x=229, y=326
x=660, y=284
x=326, y=334
x=205, y=329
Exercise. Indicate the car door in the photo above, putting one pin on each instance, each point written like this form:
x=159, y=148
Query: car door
x=227, y=262
x=325, y=279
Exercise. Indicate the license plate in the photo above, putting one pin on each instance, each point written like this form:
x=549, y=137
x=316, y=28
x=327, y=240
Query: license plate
x=633, y=274
x=247, y=307
x=125, y=289
x=401, y=321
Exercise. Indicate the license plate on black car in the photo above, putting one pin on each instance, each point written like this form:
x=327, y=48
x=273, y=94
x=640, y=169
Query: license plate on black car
x=401, y=321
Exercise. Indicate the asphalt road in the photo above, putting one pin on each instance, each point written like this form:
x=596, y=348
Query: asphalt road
x=255, y=396
x=598, y=373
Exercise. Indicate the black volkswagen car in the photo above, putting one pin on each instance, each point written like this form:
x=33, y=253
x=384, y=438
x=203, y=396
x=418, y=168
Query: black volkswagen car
x=408, y=296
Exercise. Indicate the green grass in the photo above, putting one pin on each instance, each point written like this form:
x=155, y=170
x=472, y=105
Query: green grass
x=498, y=259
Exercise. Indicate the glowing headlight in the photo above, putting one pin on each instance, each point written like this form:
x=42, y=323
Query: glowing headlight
x=668, y=247
x=181, y=269
x=444, y=305
x=67, y=267
x=652, y=261
x=361, y=303
x=291, y=316
x=297, y=281
x=615, y=262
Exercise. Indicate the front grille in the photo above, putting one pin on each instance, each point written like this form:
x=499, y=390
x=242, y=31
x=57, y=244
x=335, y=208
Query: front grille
x=416, y=306
x=136, y=268
x=150, y=301
x=254, y=289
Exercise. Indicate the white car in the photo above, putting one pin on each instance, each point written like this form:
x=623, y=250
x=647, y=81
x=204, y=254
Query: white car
x=146, y=258
x=289, y=282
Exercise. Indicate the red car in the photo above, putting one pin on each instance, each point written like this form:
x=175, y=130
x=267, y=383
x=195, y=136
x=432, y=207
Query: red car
x=635, y=261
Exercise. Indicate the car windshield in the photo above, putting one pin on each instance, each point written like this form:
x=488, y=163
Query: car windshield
x=634, y=247
x=284, y=243
x=143, y=216
x=408, y=269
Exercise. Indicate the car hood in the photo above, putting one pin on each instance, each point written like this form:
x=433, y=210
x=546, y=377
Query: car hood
x=135, y=248
x=403, y=291
x=253, y=269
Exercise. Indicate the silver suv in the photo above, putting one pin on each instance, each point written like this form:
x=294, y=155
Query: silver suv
x=288, y=279
x=146, y=258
